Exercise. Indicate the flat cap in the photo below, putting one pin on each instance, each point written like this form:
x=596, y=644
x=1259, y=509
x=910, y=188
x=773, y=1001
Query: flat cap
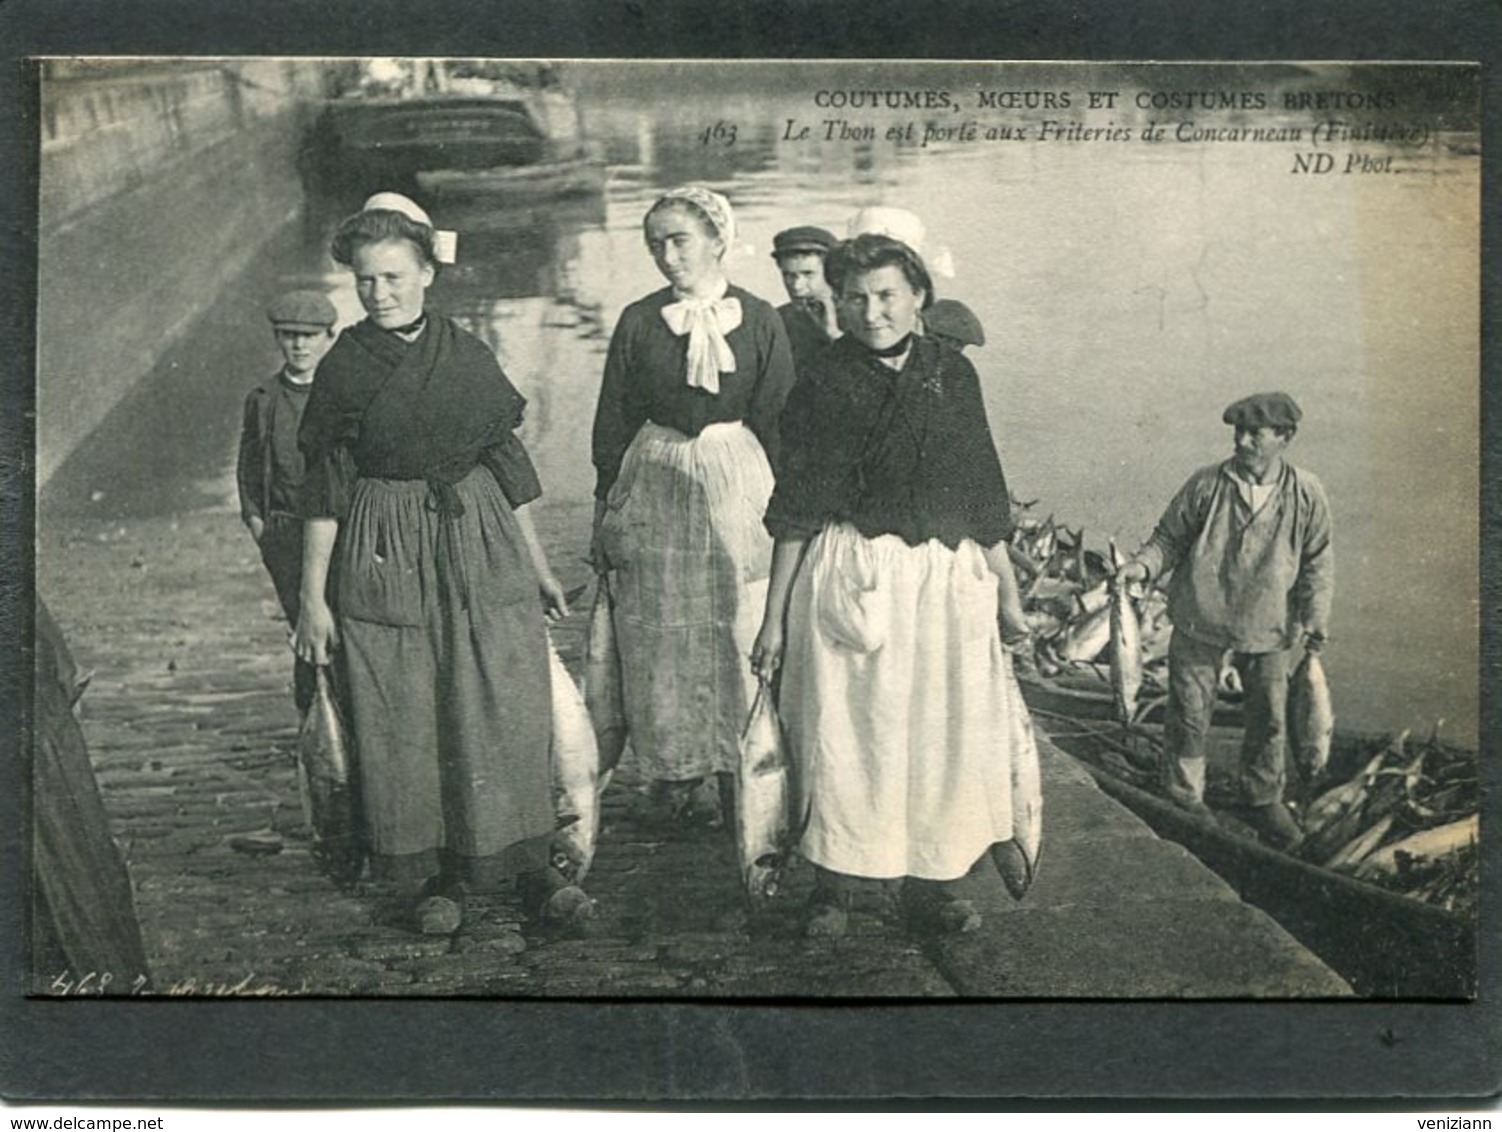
x=950, y=318
x=804, y=239
x=1263, y=410
x=302, y=310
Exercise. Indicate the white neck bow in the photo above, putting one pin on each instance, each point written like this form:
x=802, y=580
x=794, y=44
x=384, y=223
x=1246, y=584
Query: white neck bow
x=706, y=322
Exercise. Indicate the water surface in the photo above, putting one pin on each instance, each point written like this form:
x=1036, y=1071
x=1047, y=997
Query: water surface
x=1129, y=292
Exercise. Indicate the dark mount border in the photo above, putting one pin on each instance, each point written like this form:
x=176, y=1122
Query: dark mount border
x=654, y=1054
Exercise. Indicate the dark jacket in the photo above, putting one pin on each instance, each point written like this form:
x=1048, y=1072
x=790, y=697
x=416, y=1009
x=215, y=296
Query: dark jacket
x=262, y=491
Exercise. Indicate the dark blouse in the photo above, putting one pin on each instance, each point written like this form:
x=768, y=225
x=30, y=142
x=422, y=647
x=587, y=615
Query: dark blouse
x=432, y=409
x=646, y=380
x=904, y=452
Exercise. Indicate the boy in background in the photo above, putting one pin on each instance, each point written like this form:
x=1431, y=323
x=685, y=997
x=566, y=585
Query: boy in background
x=809, y=315
x=270, y=468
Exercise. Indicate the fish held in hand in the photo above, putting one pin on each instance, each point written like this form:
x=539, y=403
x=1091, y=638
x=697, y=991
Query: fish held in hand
x=763, y=796
x=578, y=781
x=1311, y=716
x=1126, y=647
x=324, y=777
x=604, y=695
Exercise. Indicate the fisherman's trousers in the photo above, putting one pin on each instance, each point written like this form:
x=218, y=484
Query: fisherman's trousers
x=1193, y=676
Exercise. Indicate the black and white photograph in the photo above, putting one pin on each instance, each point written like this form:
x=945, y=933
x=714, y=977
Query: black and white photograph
x=695, y=554
x=734, y=530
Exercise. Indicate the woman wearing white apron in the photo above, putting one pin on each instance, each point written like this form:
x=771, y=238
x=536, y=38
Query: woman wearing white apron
x=891, y=516
x=685, y=433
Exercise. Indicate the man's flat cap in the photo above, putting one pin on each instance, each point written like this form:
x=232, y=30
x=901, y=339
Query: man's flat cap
x=1263, y=410
x=302, y=310
x=802, y=240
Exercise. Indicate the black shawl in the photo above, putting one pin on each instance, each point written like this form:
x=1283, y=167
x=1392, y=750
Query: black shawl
x=904, y=452
x=432, y=409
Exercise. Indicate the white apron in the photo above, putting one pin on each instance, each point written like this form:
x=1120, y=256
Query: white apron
x=913, y=746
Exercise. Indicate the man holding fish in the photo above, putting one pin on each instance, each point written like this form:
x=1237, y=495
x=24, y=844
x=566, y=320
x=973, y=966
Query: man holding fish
x=1248, y=544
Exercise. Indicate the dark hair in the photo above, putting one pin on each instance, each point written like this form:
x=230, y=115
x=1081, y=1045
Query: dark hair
x=375, y=225
x=688, y=206
x=871, y=252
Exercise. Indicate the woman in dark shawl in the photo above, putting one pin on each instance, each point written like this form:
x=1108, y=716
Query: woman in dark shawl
x=914, y=749
x=416, y=530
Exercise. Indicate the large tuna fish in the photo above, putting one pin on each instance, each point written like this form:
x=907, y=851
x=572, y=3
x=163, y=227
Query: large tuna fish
x=327, y=787
x=1084, y=637
x=1126, y=647
x=1017, y=859
x=763, y=795
x=603, y=692
x=577, y=779
x=1426, y=845
x=1311, y=718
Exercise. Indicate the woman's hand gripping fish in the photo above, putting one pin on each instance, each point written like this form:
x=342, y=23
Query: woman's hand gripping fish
x=763, y=795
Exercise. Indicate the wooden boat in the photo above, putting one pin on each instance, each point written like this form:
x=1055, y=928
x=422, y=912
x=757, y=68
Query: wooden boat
x=582, y=174
x=506, y=129
x=1386, y=945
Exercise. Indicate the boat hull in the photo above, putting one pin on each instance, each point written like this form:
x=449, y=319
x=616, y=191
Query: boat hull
x=582, y=175
x=389, y=143
x=437, y=133
x=1384, y=944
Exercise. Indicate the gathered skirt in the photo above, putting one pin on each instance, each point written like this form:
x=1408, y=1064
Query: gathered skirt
x=914, y=749
x=683, y=535
x=444, y=660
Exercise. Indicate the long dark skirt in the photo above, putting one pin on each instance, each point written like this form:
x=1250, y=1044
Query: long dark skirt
x=444, y=657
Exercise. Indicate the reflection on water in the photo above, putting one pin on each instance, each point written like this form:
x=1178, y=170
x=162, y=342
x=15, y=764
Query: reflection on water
x=1129, y=291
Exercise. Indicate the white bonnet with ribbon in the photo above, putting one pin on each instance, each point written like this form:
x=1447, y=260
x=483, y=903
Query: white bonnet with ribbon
x=900, y=224
x=445, y=242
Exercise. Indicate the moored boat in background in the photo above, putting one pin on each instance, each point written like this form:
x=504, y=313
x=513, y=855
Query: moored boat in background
x=507, y=129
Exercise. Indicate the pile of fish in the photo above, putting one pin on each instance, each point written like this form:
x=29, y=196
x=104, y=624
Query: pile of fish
x=1407, y=821
x=1082, y=621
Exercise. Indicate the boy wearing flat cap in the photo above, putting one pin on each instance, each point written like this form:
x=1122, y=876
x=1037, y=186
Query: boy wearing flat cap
x=809, y=316
x=269, y=471
x=1248, y=542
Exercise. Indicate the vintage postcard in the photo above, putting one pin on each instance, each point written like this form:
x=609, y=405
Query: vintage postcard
x=792, y=531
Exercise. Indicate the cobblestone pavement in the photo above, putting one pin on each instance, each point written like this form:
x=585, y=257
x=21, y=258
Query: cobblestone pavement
x=192, y=731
